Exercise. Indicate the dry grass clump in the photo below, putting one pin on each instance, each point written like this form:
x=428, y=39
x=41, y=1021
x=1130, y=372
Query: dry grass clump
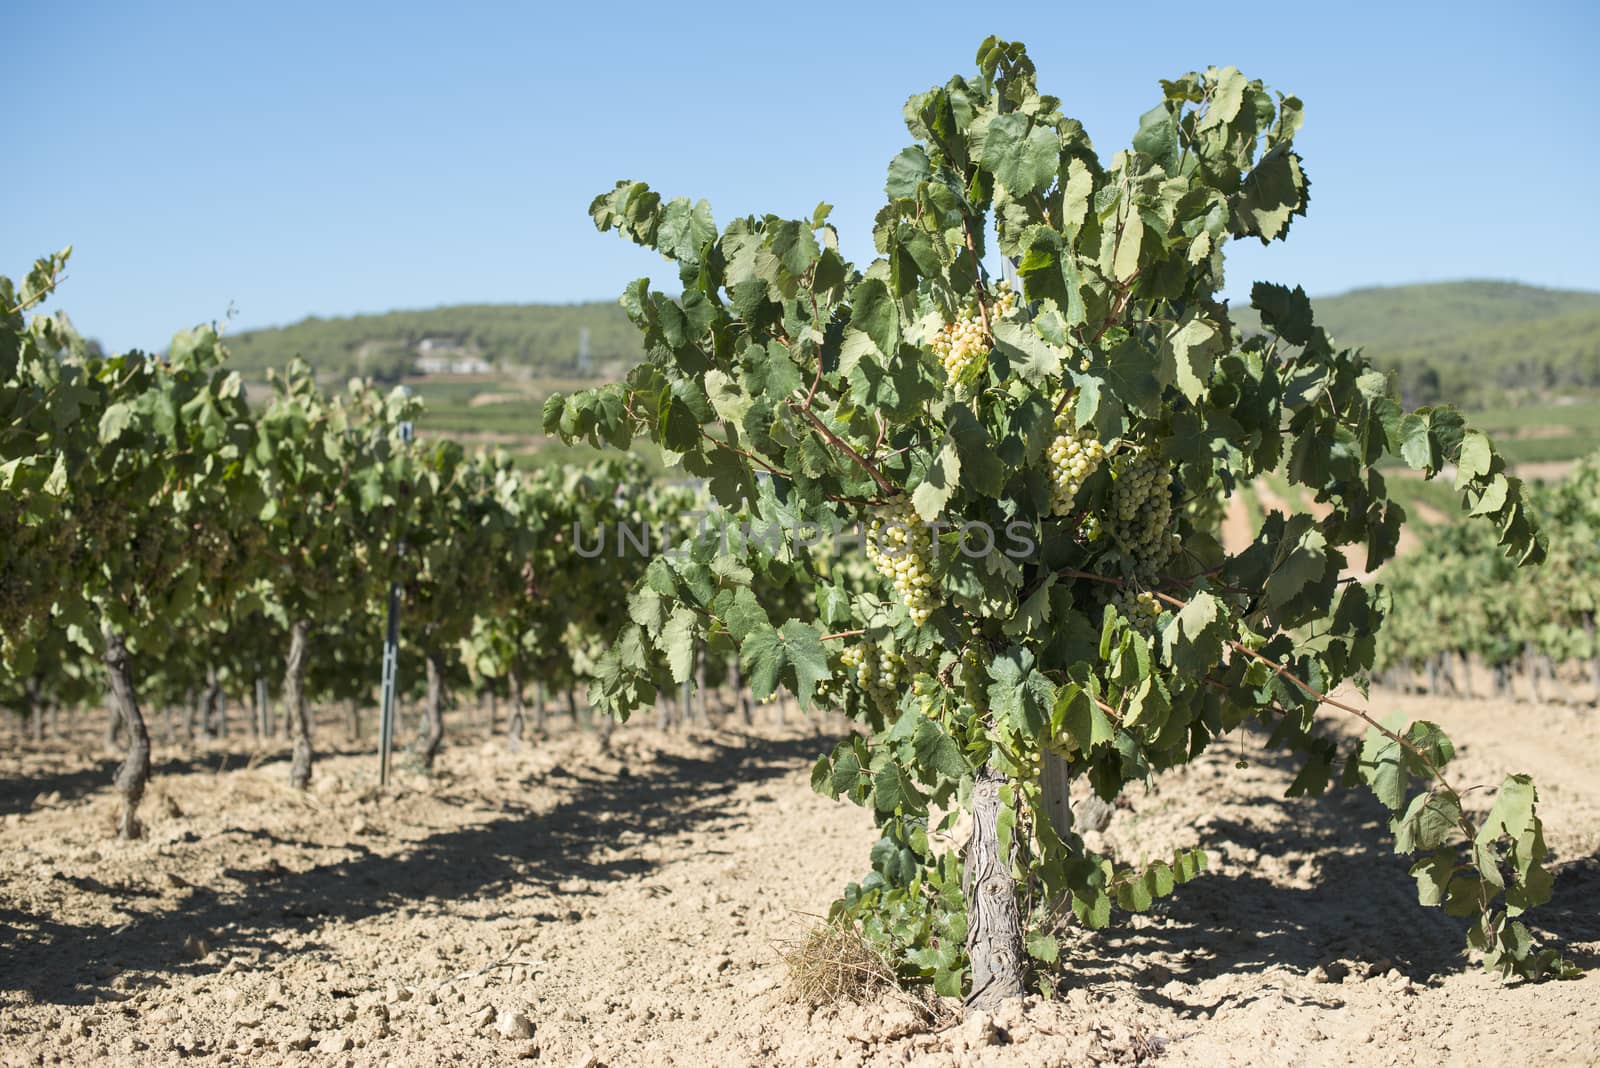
x=833, y=963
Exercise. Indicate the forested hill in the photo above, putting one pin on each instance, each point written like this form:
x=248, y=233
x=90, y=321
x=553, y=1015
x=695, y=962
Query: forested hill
x=1471, y=343
x=544, y=338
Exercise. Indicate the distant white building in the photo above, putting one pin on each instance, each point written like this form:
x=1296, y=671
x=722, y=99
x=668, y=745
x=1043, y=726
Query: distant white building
x=453, y=365
x=446, y=356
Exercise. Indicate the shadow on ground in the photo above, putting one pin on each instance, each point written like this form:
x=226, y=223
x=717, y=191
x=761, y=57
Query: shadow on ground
x=1361, y=905
x=576, y=838
x=18, y=793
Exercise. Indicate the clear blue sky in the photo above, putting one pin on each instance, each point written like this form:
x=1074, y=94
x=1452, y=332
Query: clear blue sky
x=294, y=159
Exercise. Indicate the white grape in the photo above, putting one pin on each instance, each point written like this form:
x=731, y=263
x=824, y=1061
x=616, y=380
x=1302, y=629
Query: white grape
x=1140, y=608
x=1073, y=455
x=962, y=343
x=900, y=546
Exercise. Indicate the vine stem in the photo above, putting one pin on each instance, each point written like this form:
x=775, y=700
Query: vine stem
x=30, y=300
x=758, y=461
x=889, y=488
x=1283, y=672
x=1463, y=824
x=983, y=293
x=769, y=468
x=841, y=634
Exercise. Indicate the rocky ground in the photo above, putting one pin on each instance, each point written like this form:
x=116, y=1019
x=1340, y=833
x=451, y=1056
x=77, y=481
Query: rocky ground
x=573, y=906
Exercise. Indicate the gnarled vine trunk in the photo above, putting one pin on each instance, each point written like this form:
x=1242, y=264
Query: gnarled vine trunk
x=994, y=921
x=191, y=715
x=540, y=711
x=702, y=713
x=213, y=707
x=741, y=699
x=433, y=723
x=135, y=770
x=114, y=726
x=261, y=723
x=294, y=702
x=35, y=708
x=1594, y=656
x=514, y=724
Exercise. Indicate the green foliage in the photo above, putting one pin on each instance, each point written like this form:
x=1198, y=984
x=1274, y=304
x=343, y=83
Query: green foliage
x=812, y=393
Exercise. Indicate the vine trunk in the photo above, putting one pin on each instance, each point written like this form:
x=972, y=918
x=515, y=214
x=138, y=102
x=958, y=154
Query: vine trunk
x=135, y=770
x=994, y=922
x=294, y=699
x=433, y=725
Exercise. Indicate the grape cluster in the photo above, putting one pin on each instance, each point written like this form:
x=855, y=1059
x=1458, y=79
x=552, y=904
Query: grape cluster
x=900, y=546
x=1074, y=455
x=1141, y=511
x=878, y=673
x=960, y=344
x=1139, y=607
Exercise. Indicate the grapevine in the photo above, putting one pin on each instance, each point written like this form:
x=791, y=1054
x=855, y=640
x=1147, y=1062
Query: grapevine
x=1113, y=418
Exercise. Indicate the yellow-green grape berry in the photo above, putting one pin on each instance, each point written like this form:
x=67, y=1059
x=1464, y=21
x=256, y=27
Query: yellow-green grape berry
x=1133, y=480
x=878, y=673
x=900, y=546
x=962, y=343
x=958, y=346
x=1073, y=456
x=1141, y=507
x=1005, y=300
x=1140, y=608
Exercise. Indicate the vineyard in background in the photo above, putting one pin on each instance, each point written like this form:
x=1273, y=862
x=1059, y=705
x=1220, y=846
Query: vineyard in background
x=202, y=552
x=1461, y=621
x=1456, y=605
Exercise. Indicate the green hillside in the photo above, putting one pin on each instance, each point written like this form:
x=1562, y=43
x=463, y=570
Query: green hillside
x=1524, y=360
x=1472, y=343
x=543, y=338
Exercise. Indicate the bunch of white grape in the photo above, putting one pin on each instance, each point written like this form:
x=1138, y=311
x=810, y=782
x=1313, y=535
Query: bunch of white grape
x=960, y=344
x=1139, y=607
x=878, y=673
x=1141, y=510
x=900, y=546
x=1074, y=455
